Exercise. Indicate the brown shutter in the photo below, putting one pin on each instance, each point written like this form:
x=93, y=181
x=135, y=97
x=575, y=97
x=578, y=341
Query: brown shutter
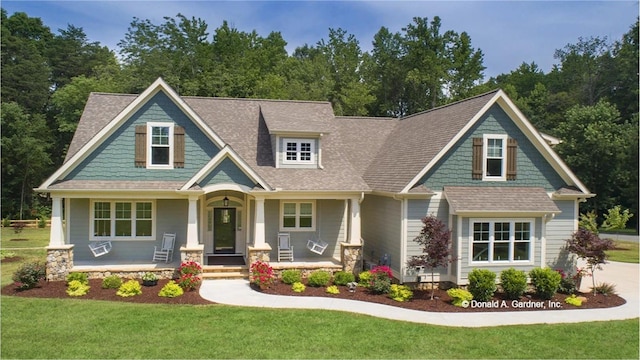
x=512, y=150
x=141, y=146
x=178, y=147
x=477, y=159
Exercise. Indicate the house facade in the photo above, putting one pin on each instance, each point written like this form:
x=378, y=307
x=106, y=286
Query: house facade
x=228, y=175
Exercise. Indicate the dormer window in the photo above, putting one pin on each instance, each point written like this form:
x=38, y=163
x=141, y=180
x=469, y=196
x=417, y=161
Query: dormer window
x=298, y=151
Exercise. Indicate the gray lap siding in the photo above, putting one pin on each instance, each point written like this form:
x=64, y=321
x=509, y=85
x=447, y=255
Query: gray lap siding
x=382, y=230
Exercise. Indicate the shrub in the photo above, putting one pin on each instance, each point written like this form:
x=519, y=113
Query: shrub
x=6, y=222
x=319, y=278
x=333, y=290
x=482, y=284
x=77, y=288
x=364, y=278
x=458, y=296
x=605, y=289
x=42, y=222
x=400, y=292
x=261, y=274
x=298, y=287
x=573, y=300
x=546, y=282
x=189, y=275
x=342, y=278
x=111, y=282
x=380, y=280
x=171, y=290
x=291, y=276
x=28, y=275
x=514, y=283
x=78, y=276
x=6, y=254
x=567, y=285
x=129, y=288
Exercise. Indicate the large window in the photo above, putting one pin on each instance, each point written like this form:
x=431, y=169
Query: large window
x=501, y=240
x=122, y=220
x=160, y=152
x=298, y=151
x=297, y=216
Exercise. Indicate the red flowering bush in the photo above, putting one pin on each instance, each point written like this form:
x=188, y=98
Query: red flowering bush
x=380, y=282
x=189, y=275
x=262, y=274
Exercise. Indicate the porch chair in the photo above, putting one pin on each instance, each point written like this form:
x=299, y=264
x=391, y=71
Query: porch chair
x=165, y=253
x=100, y=248
x=316, y=246
x=285, y=249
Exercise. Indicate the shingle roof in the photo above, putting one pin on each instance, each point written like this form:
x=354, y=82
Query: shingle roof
x=470, y=199
x=416, y=140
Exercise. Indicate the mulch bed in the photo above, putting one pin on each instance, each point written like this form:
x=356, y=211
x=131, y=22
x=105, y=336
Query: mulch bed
x=421, y=299
x=442, y=302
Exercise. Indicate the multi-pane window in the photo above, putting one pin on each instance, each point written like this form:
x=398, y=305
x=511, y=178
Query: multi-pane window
x=117, y=219
x=160, y=147
x=298, y=151
x=297, y=215
x=501, y=241
x=495, y=156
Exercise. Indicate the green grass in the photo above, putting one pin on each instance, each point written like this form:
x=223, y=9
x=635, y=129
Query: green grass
x=29, y=245
x=97, y=329
x=625, y=251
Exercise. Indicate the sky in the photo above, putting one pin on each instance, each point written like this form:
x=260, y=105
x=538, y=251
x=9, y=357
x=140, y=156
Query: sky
x=508, y=32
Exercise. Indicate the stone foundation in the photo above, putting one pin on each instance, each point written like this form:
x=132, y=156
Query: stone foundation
x=351, y=257
x=59, y=262
x=129, y=274
x=192, y=254
x=259, y=254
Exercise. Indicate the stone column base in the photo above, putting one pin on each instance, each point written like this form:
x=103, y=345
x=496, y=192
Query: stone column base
x=195, y=253
x=351, y=257
x=59, y=262
x=262, y=253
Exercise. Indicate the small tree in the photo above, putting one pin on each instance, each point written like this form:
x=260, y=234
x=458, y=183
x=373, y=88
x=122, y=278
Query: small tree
x=616, y=219
x=589, y=222
x=435, y=238
x=587, y=245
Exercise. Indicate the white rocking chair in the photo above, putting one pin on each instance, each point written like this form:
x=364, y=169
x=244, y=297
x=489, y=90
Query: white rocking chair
x=165, y=253
x=100, y=248
x=285, y=249
x=317, y=246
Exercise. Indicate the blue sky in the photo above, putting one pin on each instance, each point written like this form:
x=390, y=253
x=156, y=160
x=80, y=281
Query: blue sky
x=507, y=32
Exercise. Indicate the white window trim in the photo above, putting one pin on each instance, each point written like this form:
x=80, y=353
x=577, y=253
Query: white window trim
x=297, y=227
x=298, y=143
x=485, y=149
x=512, y=221
x=112, y=209
x=150, y=126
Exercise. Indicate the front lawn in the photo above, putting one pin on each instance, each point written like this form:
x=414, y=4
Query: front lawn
x=97, y=329
x=625, y=251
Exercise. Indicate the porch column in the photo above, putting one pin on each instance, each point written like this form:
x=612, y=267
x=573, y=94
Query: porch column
x=259, y=237
x=56, y=237
x=192, y=225
x=355, y=235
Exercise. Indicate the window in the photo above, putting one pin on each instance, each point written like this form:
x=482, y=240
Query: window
x=160, y=154
x=501, y=240
x=119, y=220
x=495, y=165
x=297, y=216
x=299, y=151
x=494, y=158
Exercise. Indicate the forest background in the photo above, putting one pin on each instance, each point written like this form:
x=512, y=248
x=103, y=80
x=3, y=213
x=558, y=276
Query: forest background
x=589, y=99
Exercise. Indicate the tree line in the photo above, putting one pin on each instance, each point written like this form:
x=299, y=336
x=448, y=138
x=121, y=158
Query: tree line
x=589, y=99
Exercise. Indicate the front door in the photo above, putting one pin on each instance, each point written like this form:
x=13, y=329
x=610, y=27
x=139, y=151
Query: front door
x=224, y=230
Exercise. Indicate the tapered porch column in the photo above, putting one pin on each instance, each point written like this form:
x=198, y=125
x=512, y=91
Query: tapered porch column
x=355, y=235
x=192, y=225
x=56, y=237
x=259, y=237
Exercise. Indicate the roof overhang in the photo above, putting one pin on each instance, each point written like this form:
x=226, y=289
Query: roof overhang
x=499, y=201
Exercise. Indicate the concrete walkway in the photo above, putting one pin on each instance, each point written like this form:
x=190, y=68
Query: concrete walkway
x=624, y=276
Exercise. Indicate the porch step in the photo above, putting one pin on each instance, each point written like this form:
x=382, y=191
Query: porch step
x=225, y=272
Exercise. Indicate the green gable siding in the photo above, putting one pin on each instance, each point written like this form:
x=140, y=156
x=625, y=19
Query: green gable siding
x=454, y=169
x=227, y=172
x=114, y=158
